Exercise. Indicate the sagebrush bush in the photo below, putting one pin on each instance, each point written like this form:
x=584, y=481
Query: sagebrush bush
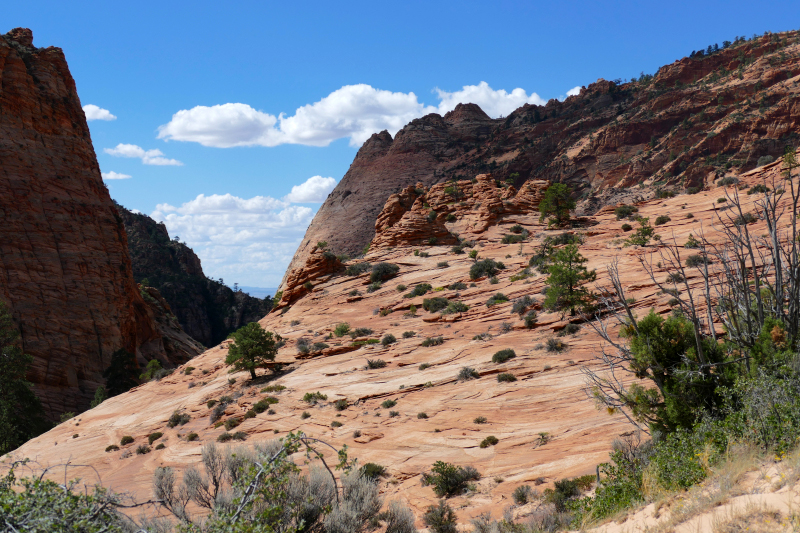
x=143, y=449
x=440, y=518
x=502, y=356
x=569, y=329
x=357, y=269
x=393, y=414
x=388, y=339
x=374, y=286
x=383, y=271
x=409, y=334
x=496, y=299
x=360, y=332
x=373, y=471
x=340, y=404
x=375, y=363
x=491, y=440
x=485, y=267
x=178, y=419
x=522, y=494
x=506, y=377
x=455, y=307
x=522, y=304
x=480, y=420
x=192, y=436
x=466, y=373
x=530, y=319
x=697, y=260
x=449, y=480
x=555, y=345
x=432, y=341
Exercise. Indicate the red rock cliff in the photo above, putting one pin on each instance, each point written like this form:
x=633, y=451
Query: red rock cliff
x=64, y=264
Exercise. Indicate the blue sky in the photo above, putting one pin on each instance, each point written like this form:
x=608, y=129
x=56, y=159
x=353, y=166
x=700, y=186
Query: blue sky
x=221, y=173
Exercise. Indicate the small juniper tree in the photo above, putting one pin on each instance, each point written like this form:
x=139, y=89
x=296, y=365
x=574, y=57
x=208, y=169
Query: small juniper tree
x=556, y=204
x=643, y=234
x=566, y=290
x=21, y=412
x=252, y=348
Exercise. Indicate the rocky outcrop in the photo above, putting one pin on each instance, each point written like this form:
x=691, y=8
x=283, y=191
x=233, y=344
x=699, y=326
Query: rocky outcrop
x=447, y=211
x=320, y=265
x=64, y=264
x=695, y=120
x=205, y=308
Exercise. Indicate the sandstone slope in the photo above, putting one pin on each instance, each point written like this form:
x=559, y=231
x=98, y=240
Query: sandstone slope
x=64, y=263
x=547, y=427
x=697, y=118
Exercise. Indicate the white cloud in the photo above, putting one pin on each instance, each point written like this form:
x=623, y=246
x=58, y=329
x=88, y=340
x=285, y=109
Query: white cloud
x=245, y=240
x=353, y=111
x=93, y=112
x=111, y=175
x=314, y=190
x=148, y=157
x=575, y=91
x=494, y=103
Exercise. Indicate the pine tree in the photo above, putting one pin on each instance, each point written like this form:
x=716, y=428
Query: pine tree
x=566, y=290
x=100, y=395
x=121, y=373
x=252, y=348
x=556, y=204
x=21, y=413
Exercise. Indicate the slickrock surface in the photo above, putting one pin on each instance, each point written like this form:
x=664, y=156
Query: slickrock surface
x=547, y=398
x=205, y=308
x=697, y=116
x=64, y=263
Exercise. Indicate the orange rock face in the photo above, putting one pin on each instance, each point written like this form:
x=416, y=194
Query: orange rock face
x=697, y=119
x=64, y=264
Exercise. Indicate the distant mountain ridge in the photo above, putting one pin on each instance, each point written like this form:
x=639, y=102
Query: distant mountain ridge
x=207, y=309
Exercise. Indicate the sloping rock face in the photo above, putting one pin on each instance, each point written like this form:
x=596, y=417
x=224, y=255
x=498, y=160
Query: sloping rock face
x=64, y=263
x=695, y=120
x=548, y=396
x=205, y=308
x=448, y=211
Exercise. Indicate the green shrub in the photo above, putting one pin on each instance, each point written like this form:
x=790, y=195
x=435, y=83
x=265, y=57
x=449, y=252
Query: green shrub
x=388, y=339
x=569, y=329
x=491, y=440
x=305, y=415
x=422, y=415
x=512, y=239
x=373, y=471
x=372, y=364
x=374, y=286
x=503, y=355
x=393, y=414
x=161, y=446
x=523, y=494
x=746, y=218
x=340, y=404
x=496, y=299
x=467, y=373
x=697, y=260
x=211, y=403
x=143, y=449
x=154, y=437
x=506, y=377
x=440, y=518
x=178, y=419
x=357, y=269
x=665, y=194
x=522, y=304
x=408, y=334
x=722, y=200
x=625, y=211
x=625, y=227
x=555, y=345
x=424, y=366
x=448, y=479
x=480, y=420
x=314, y=397
x=485, y=267
x=112, y=448
x=188, y=370
x=388, y=403
x=383, y=271
x=435, y=304
x=455, y=307
x=662, y=219
x=341, y=329
x=127, y=439
x=442, y=264
x=360, y=332
x=432, y=341
x=756, y=189
x=336, y=424
x=192, y=436
x=530, y=319
x=232, y=423
x=457, y=286
x=225, y=437
x=691, y=242
x=263, y=404
x=419, y=290
x=493, y=280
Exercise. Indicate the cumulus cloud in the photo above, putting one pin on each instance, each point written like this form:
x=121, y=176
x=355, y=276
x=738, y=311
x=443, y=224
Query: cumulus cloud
x=246, y=240
x=575, y=91
x=353, y=111
x=494, y=103
x=93, y=112
x=314, y=190
x=111, y=175
x=148, y=157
